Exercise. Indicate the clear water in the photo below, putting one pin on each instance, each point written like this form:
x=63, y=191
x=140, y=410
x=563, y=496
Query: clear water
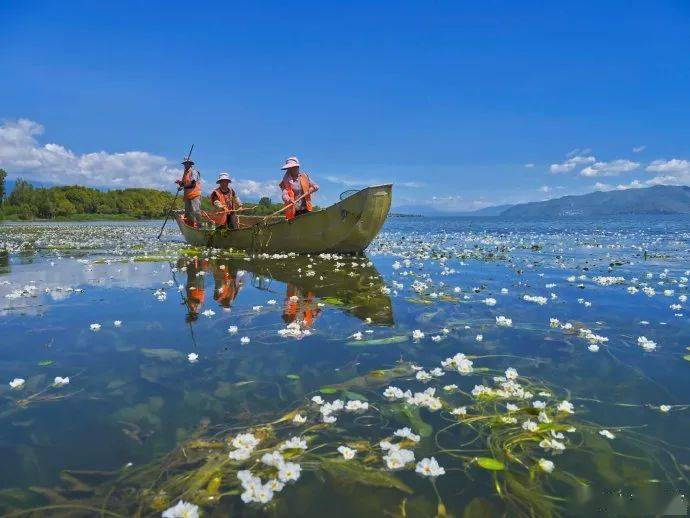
x=120, y=436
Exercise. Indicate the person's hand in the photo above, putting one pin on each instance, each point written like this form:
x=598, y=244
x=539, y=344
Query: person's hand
x=178, y=182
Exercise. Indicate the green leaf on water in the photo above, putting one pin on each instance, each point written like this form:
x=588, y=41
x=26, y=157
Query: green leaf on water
x=333, y=301
x=328, y=390
x=378, y=341
x=490, y=464
x=45, y=363
x=687, y=357
x=292, y=376
x=352, y=472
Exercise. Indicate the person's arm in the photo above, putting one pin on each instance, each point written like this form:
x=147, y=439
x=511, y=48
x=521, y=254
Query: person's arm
x=312, y=186
x=286, y=197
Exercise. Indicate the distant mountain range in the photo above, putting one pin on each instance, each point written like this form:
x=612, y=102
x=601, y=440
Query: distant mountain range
x=660, y=199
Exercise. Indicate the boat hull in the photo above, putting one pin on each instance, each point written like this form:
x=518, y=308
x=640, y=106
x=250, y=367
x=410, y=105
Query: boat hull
x=345, y=227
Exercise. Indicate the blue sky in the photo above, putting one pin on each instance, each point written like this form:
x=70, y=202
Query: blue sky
x=461, y=105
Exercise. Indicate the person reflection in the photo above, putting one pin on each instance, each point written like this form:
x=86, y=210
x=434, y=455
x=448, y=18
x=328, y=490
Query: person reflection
x=299, y=306
x=227, y=286
x=195, y=294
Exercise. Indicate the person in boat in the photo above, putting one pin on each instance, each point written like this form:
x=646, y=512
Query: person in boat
x=226, y=202
x=296, y=188
x=190, y=183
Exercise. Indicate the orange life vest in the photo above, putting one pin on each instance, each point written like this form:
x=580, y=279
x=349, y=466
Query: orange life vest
x=287, y=186
x=304, y=308
x=227, y=199
x=191, y=192
x=227, y=292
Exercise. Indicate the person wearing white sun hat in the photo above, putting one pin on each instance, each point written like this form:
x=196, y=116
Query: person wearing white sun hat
x=296, y=189
x=226, y=201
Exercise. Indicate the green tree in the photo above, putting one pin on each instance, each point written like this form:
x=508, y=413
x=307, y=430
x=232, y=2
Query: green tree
x=3, y=176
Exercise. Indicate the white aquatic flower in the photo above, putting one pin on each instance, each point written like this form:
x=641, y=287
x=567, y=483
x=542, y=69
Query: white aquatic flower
x=273, y=459
x=358, y=335
x=417, y=334
x=489, y=301
x=479, y=338
x=356, y=406
x=566, y=406
x=245, y=340
x=546, y=465
x=240, y=454
x=347, y=453
x=294, y=443
x=271, y=302
x=299, y=419
x=317, y=399
x=593, y=348
x=193, y=357
x=423, y=376
x=646, y=343
x=117, y=323
x=393, y=393
x=503, y=321
x=536, y=299
x=232, y=330
x=245, y=440
x=607, y=434
x=289, y=472
x=539, y=405
x=407, y=433
x=552, y=444
x=511, y=407
x=182, y=510
x=397, y=459
x=554, y=322
x=208, y=313
x=257, y=308
x=17, y=383
x=95, y=327
x=450, y=388
x=59, y=381
x=436, y=338
x=459, y=411
x=511, y=373
x=429, y=468
x=530, y=426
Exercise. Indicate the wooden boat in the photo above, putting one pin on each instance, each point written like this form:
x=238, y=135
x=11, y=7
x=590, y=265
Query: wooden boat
x=345, y=227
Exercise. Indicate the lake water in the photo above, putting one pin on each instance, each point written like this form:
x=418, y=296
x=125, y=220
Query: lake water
x=592, y=316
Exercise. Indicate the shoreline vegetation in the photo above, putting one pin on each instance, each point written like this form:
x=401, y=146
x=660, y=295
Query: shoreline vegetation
x=78, y=203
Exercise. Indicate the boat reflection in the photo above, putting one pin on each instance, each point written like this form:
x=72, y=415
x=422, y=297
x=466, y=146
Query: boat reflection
x=309, y=285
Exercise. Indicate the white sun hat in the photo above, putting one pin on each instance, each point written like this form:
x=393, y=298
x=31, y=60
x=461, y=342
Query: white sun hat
x=224, y=176
x=291, y=162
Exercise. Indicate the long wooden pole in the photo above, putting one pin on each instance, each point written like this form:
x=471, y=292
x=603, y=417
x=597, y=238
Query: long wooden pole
x=287, y=206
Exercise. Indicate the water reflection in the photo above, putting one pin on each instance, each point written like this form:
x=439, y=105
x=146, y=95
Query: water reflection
x=309, y=285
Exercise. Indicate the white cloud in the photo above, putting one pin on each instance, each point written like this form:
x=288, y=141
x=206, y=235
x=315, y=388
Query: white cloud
x=254, y=189
x=669, y=172
x=21, y=153
x=572, y=162
x=545, y=189
x=613, y=168
x=639, y=149
x=600, y=186
x=529, y=165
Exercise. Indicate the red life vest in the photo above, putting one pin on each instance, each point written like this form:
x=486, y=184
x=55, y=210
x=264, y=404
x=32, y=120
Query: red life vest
x=287, y=186
x=227, y=200
x=192, y=192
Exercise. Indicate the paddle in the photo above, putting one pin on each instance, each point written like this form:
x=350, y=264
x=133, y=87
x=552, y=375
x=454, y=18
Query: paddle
x=167, y=216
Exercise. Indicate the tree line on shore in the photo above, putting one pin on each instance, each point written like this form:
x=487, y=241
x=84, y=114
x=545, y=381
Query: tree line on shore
x=28, y=202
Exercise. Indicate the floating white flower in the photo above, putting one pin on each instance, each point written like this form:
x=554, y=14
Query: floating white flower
x=546, y=465
x=646, y=343
x=530, y=426
x=358, y=335
x=95, y=327
x=398, y=458
x=489, y=301
x=289, y=472
x=503, y=321
x=347, y=453
x=317, y=399
x=193, y=357
x=393, y=393
x=459, y=411
x=356, y=406
x=60, y=381
x=407, y=433
x=429, y=468
x=511, y=373
x=665, y=408
x=539, y=405
x=182, y=510
x=417, y=334
x=245, y=340
x=299, y=419
x=566, y=406
x=479, y=338
x=117, y=323
x=17, y=383
x=271, y=302
x=274, y=459
x=232, y=330
x=450, y=388
x=294, y=443
x=536, y=299
x=607, y=434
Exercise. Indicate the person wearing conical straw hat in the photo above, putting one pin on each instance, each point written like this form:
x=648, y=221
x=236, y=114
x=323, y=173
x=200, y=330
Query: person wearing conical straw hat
x=296, y=189
x=226, y=201
x=190, y=183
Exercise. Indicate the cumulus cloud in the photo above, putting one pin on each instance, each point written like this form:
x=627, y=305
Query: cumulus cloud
x=639, y=149
x=669, y=172
x=254, y=189
x=612, y=168
x=545, y=189
x=22, y=153
x=572, y=162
